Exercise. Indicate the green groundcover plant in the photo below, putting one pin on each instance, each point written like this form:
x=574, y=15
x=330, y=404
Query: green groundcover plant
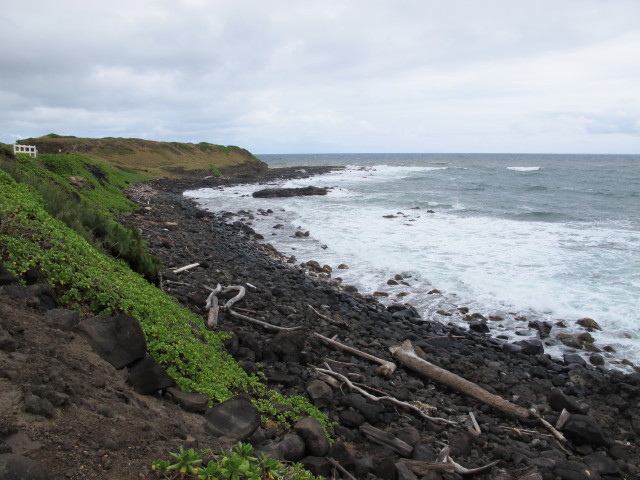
x=94, y=283
x=238, y=463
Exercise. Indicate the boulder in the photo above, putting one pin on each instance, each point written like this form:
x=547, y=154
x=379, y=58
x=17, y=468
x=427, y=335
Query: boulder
x=314, y=437
x=320, y=393
x=584, y=430
x=146, y=376
x=62, y=319
x=118, y=339
x=531, y=346
x=17, y=467
x=234, y=420
x=588, y=324
x=289, y=192
x=190, y=402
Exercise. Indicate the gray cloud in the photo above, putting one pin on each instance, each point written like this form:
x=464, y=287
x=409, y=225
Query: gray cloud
x=288, y=76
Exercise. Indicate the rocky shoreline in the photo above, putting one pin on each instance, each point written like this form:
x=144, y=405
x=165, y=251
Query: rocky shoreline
x=125, y=431
x=604, y=405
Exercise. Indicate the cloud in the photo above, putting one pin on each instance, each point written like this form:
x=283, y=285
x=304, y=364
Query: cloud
x=383, y=75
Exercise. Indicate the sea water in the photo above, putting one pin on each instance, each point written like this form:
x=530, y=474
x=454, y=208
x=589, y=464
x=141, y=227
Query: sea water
x=514, y=237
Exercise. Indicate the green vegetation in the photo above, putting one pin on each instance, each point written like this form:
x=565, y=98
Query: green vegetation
x=215, y=171
x=38, y=209
x=235, y=464
x=155, y=159
x=87, y=206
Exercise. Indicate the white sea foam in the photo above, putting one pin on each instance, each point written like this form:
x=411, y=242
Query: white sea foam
x=478, y=257
x=524, y=169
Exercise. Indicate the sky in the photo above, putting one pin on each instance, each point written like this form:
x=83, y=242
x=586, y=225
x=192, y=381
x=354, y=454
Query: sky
x=327, y=76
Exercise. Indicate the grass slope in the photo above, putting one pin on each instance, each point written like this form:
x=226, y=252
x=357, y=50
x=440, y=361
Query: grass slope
x=154, y=159
x=94, y=283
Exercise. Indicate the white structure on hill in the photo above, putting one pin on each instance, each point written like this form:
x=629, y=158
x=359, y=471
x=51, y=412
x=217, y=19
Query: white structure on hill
x=28, y=149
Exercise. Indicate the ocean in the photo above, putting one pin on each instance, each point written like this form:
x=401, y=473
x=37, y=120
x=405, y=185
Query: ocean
x=516, y=238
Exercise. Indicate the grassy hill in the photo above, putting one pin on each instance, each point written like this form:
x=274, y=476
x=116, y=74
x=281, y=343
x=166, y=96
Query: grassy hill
x=154, y=159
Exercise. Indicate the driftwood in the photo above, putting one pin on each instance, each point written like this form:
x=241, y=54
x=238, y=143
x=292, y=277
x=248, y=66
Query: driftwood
x=339, y=467
x=406, y=355
x=411, y=406
x=262, y=324
x=386, y=439
x=328, y=319
x=386, y=367
x=212, y=307
x=241, y=292
x=186, y=267
x=444, y=463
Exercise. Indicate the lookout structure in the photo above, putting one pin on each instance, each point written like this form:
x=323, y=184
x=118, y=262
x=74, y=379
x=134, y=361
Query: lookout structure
x=28, y=149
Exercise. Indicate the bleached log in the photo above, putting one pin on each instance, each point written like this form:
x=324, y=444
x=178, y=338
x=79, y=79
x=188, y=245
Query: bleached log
x=386, y=367
x=407, y=356
x=213, y=307
x=241, y=293
x=385, y=397
x=186, y=267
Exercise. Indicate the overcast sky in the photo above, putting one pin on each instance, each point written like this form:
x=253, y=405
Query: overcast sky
x=295, y=76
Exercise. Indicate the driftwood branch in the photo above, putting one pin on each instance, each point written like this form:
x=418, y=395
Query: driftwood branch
x=343, y=470
x=212, y=307
x=407, y=356
x=240, y=295
x=386, y=367
x=186, y=267
x=447, y=464
x=328, y=319
x=262, y=324
x=386, y=398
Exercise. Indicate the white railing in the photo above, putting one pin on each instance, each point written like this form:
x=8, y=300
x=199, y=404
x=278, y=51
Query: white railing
x=28, y=149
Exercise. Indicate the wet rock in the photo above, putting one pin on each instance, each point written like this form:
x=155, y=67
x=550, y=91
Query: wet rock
x=574, y=358
x=314, y=437
x=146, y=376
x=479, y=326
x=543, y=328
x=118, y=339
x=289, y=192
x=596, y=359
x=235, y=420
x=531, y=346
x=589, y=324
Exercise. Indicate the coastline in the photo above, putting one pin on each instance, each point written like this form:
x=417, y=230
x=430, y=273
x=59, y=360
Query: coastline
x=228, y=254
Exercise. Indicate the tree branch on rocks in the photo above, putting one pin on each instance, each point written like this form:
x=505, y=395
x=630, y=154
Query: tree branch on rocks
x=387, y=398
x=328, y=319
x=241, y=292
x=339, y=467
x=186, y=267
x=386, y=367
x=444, y=463
x=212, y=307
x=407, y=356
